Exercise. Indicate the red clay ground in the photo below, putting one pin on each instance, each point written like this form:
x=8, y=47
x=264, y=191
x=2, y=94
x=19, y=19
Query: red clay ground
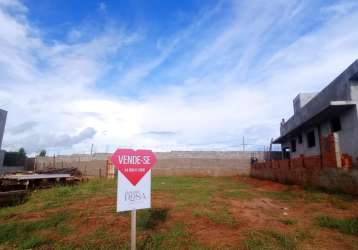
x=188, y=213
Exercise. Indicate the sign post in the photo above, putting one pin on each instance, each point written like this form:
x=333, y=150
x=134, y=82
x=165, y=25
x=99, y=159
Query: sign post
x=134, y=182
x=133, y=229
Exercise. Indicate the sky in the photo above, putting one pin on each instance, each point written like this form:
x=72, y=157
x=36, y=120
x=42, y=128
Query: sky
x=164, y=75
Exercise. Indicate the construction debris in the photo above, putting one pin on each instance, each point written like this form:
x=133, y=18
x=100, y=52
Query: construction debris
x=13, y=187
x=70, y=171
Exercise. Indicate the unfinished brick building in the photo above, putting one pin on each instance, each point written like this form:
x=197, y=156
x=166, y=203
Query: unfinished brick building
x=324, y=126
x=320, y=141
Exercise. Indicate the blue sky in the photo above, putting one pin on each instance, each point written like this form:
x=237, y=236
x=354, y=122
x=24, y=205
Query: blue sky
x=165, y=75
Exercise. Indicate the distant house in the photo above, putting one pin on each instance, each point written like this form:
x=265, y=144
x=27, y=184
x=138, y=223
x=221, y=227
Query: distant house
x=3, y=114
x=325, y=124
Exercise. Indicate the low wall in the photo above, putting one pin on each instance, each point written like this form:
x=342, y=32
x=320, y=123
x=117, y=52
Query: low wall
x=191, y=163
x=308, y=171
x=9, y=170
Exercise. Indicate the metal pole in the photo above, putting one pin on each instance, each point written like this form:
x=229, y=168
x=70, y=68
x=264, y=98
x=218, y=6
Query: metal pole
x=133, y=229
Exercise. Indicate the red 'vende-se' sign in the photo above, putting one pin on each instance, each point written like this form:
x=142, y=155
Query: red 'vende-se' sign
x=133, y=164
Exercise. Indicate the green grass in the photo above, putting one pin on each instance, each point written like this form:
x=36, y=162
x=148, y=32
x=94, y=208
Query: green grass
x=336, y=199
x=99, y=239
x=219, y=215
x=270, y=240
x=286, y=195
x=187, y=191
x=345, y=226
x=175, y=237
x=238, y=194
x=33, y=241
x=51, y=218
x=58, y=196
x=197, y=191
x=27, y=233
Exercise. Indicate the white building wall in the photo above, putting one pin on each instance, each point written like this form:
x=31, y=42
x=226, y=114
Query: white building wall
x=347, y=137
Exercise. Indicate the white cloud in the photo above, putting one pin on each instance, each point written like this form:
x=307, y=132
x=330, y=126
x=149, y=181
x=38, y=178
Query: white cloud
x=240, y=83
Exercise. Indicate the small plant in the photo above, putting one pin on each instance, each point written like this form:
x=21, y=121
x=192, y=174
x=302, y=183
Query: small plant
x=150, y=218
x=346, y=226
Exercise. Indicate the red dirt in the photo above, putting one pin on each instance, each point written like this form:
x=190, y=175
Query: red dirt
x=258, y=213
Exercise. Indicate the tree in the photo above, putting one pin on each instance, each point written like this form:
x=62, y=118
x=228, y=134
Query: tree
x=42, y=153
x=22, y=152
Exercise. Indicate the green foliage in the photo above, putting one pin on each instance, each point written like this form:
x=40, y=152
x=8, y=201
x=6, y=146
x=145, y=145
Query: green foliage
x=42, y=153
x=346, y=226
x=22, y=152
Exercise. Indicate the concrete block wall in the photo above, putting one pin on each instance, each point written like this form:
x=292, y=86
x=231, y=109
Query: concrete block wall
x=179, y=163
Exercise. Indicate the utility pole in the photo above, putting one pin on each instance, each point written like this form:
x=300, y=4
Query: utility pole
x=243, y=143
x=91, y=149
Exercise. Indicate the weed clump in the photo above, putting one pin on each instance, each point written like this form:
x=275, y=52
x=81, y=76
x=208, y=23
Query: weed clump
x=150, y=218
x=346, y=226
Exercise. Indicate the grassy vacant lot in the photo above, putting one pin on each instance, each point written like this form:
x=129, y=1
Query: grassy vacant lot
x=187, y=213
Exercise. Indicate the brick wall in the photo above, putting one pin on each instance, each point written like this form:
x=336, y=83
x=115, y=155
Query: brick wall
x=328, y=151
x=319, y=170
x=312, y=170
x=336, y=179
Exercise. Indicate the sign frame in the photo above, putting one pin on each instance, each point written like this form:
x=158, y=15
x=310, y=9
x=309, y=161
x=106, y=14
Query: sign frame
x=133, y=182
